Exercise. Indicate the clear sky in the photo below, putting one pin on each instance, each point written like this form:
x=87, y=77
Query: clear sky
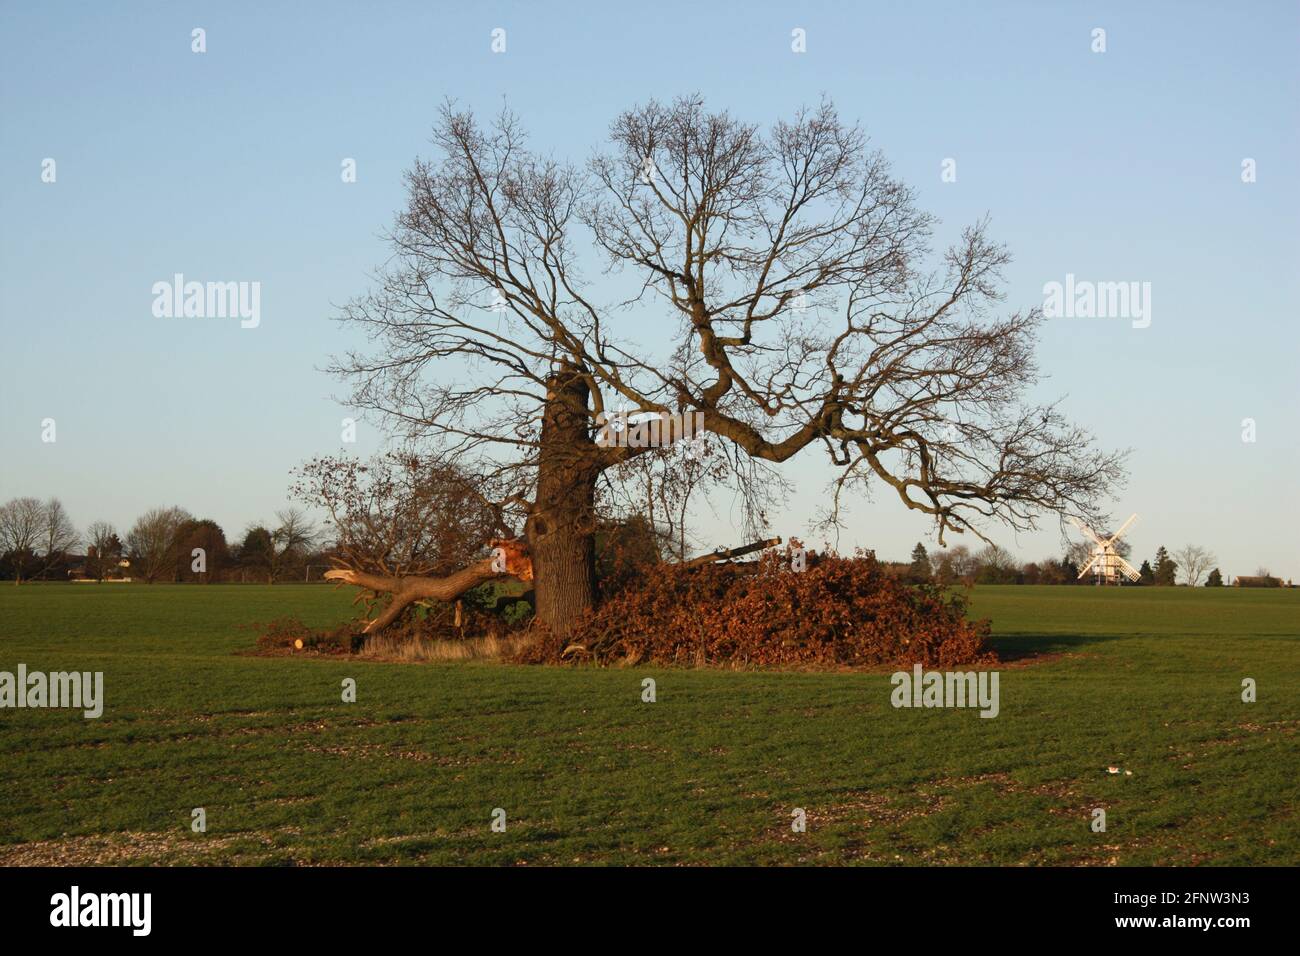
x=1117, y=166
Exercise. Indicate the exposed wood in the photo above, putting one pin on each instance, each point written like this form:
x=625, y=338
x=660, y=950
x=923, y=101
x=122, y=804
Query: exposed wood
x=723, y=554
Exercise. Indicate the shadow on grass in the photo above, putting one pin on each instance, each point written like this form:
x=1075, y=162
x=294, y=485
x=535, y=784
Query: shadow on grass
x=1028, y=648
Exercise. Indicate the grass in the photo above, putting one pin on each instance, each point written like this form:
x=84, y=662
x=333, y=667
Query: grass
x=1145, y=679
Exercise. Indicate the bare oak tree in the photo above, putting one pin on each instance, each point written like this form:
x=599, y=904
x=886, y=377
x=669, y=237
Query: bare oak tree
x=104, y=549
x=153, y=543
x=37, y=535
x=279, y=548
x=58, y=534
x=790, y=275
x=400, y=514
x=1194, y=561
x=20, y=533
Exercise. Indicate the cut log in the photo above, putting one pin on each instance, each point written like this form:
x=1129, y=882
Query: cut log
x=509, y=559
x=724, y=554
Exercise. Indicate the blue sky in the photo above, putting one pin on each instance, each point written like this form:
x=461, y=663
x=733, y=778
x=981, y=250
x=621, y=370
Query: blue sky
x=1123, y=165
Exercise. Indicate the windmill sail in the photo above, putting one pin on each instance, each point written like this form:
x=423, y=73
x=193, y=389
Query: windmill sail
x=1106, y=563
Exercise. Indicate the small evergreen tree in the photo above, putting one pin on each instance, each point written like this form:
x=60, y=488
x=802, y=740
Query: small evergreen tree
x=1166, y=569
x=1146, y=575
x=1215, y=580
x=920, y=564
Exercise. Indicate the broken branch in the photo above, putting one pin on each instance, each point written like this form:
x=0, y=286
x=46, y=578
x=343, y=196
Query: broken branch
x=509, y=559
x=723, y=554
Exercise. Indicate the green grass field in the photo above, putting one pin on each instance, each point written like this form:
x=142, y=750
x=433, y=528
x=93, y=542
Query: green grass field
x=1148, y=680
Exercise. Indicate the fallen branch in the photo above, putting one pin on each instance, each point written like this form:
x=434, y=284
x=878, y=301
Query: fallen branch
x=723, y=554
x=509, y=559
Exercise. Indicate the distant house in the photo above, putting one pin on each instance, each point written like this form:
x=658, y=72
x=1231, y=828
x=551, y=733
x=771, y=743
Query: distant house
x=81, y=570
x=1247, y=581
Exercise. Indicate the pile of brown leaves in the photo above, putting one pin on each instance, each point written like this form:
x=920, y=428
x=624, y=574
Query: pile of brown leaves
x=837, y=612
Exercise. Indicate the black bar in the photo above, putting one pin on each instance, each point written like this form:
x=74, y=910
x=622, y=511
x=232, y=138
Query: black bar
x=332, y=905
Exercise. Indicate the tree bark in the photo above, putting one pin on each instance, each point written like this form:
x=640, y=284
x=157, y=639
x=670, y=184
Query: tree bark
x=561, y=527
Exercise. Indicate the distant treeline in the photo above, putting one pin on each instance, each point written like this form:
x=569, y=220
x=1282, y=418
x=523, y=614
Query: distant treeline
x=1190, y=566
x=38, y=541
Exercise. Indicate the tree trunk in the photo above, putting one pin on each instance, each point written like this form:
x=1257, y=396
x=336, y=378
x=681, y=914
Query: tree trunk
x=561, y=526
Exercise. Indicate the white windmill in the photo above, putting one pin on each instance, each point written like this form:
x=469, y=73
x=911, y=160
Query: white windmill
x=1106, y=563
